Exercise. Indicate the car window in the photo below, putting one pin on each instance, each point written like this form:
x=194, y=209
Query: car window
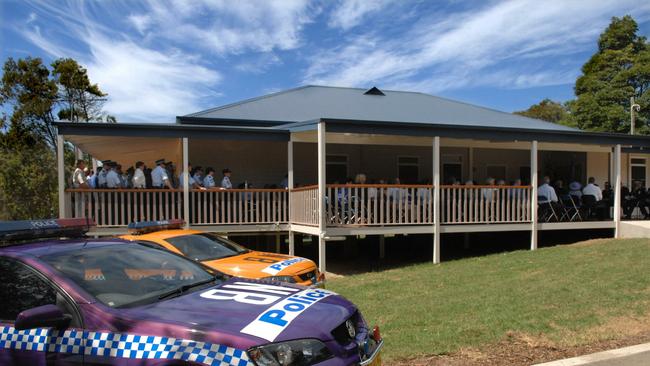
x=21, y=289
x=127, y=275
x=205, y=246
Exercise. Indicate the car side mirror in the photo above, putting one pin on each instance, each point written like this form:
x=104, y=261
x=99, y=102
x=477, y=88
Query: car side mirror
x=46, y=316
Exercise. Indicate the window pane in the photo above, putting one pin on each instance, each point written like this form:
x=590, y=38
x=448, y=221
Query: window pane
x=204, y=246
x=408, y=174
x=21, y=289
x=638, y=173
x=336, y=173
x=127, y=274
x=638, y=161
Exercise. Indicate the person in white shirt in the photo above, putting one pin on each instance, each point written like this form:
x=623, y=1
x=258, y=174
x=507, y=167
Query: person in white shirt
x=191, y=181
x=139, y=180
x=208, y=181
x=488, y=192
x=592, y=189
x=547, y=191
x=101, y=176
x=112, y=177
x=159, y=177
x=79, y=176
x=198, y=175
x=225, y=182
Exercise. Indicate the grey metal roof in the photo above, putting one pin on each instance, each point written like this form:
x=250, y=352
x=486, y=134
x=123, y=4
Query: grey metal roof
x=316, y=102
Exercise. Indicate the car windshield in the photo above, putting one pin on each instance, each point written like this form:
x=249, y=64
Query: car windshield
x=205, y=246
x=130, y=274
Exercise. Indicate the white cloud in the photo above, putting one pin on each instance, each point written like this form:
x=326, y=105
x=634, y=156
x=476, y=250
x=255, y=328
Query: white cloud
x=143, y=83
x=232, y=27
x=350, y=13
x=467, y=48
x=140, y=22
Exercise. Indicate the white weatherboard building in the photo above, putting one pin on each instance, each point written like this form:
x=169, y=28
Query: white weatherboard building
x=318, y=136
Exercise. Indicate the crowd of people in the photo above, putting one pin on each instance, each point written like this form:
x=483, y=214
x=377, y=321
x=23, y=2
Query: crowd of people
x=554, y=194
x=164, y=175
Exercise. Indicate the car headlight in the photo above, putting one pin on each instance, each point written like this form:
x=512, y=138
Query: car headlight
x=288, y=279
x=301, y=352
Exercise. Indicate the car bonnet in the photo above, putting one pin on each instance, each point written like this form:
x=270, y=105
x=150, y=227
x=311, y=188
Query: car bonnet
x=257, y=311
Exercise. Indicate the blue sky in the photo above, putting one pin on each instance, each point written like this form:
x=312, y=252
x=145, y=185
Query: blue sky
x=159, y=59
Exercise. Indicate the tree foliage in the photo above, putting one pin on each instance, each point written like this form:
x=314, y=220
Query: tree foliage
x=38, y=95
x=28, y=177
x=550, y=111
x=619, y=69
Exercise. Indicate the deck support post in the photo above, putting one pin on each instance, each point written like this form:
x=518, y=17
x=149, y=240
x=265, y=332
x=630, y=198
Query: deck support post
x=290, y=184
x=533, y=195
x=292, y=243
x=186, y=183
x=60, y=162
x=617, y=191
x=382, y=247
x=436, y=199
x=322, y=254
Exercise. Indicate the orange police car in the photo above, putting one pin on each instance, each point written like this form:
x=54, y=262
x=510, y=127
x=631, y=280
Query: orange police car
x=225, y=255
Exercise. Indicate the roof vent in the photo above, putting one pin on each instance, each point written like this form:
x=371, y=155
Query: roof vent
x=374, y=91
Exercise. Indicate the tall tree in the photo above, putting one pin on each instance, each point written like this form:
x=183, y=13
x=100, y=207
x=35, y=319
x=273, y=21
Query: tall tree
x=550, y=111
x=82, y=100
x=27, y=87
x=620, y=69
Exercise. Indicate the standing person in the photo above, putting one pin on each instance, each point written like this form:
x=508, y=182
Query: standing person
x=198, y=175
x=208, y=181
x=112, y=177
x=159, y=177
x=79, y=176
x=225, y=182
x=285, y=182
x=92, y=179
x=101, y=176
x=139, y=180
x=191, y=182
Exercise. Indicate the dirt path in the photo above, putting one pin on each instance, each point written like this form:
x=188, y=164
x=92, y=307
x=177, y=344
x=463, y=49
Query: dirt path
x=521, y=350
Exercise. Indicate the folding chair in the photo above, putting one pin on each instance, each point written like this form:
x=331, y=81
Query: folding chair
x=571, y=210
x=589, y=203
x=546, y=210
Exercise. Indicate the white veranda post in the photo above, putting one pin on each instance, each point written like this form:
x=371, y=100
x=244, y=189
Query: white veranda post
x=321, y=198
x=61, y=173
x=436, y=199
x=533, y=198
x=292, y=242
x=617, y=191
x=186, y=183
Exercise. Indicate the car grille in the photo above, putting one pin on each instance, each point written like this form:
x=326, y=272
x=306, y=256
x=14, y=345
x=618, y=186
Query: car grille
x=309, y=276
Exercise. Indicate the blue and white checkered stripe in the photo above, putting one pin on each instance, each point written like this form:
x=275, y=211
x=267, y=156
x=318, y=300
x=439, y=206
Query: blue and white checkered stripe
x=121, y=345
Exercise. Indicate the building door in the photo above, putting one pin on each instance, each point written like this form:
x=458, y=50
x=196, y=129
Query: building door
x=452, y=172
x=638, y=171
x=408, y=169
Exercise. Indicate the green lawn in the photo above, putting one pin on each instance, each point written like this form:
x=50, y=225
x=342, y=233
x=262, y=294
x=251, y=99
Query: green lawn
x=558, y=293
